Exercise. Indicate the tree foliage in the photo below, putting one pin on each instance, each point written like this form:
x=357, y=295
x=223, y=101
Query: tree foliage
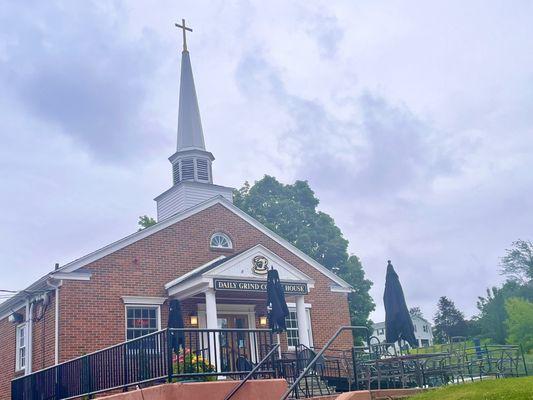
x=493, y=313
x=520, y=322
x=517, y=264
x=145, y=221
x=291, y=212
x=415, y=312
x=448, y=321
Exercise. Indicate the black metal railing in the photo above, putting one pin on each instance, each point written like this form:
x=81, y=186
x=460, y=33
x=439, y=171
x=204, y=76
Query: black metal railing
x=203, y=354
x=250, y=374
x=310, y=370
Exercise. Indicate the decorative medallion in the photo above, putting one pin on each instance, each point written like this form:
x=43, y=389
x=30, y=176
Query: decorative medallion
x=260, y=265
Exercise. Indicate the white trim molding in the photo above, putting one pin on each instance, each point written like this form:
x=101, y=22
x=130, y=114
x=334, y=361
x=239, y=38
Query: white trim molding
x=72, y=276
x=340, y=289
x=144, y=301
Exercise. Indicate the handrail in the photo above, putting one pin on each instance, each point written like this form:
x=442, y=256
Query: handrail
x=317, y=356
x=241, y=383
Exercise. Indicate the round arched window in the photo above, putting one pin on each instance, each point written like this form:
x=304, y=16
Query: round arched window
x=221, y=241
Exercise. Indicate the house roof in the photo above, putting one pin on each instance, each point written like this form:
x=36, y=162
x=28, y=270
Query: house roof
x=19, y=299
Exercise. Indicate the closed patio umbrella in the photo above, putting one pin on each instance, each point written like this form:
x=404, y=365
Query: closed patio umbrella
x=398, y=323
x=276, y=302
x=175, y=320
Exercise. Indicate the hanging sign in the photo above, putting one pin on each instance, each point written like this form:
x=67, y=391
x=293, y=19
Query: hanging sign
x=238, y=285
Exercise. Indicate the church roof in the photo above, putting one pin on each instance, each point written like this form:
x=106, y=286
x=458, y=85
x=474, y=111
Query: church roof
x=339, y=285
x=190, y=133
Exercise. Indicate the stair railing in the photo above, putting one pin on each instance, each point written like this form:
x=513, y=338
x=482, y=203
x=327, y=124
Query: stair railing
x=250, y=374
x=317, y=357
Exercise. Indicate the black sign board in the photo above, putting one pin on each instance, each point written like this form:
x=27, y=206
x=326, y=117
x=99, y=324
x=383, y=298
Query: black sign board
x=257, y=286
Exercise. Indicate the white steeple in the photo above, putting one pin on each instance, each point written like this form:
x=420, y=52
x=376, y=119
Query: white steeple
x=191, y=163
x=190, y=134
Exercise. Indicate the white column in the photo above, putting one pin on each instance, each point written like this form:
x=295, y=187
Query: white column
x=303, y=328
x=211, y=309
x=212, y=323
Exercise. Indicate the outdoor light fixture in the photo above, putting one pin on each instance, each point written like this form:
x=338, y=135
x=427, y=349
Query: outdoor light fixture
x=194, y=319
x=15, y=318
x=263, y=320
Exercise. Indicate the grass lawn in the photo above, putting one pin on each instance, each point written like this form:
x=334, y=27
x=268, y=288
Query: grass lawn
x=496, y=389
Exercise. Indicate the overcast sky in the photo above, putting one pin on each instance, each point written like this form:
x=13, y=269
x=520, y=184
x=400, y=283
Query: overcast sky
x=412, y=122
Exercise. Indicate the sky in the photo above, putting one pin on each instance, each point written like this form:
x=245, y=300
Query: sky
x=411, y=121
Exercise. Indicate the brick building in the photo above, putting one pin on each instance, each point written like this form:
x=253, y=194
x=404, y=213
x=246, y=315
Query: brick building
x=203, y=250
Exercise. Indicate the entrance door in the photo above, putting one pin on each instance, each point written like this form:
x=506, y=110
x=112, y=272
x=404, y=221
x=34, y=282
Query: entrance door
x=235, y=350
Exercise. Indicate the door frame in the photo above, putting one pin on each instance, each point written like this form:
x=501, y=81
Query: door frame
x=239, y=309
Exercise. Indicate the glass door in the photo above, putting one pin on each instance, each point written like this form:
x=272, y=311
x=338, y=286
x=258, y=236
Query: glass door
x=234, y=345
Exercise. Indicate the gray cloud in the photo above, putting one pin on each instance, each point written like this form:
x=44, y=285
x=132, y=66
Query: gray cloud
x=412, y=124
x=70, y=74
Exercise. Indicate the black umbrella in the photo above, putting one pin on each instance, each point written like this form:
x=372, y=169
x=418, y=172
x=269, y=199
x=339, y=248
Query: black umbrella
x=276, y=302
x=175, y=320
x=398, y=324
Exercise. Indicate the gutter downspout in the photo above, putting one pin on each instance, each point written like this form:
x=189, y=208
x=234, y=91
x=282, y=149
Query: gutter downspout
x=56, y=323
x=29, y=343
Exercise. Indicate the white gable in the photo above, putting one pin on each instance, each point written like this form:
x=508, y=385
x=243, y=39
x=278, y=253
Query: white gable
x=242, y=267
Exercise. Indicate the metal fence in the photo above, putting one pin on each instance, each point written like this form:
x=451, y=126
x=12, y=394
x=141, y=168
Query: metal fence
x=203, y=354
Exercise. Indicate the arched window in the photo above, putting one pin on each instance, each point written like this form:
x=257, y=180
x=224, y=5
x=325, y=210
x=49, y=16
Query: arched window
x=221, y=241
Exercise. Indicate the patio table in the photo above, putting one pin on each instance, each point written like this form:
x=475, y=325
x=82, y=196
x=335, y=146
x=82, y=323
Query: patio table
x=404, y=367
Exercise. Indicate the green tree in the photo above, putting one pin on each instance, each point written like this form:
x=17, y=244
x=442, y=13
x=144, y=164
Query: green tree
x=291, y=212
x=520, y=322
x=493, y=313
x=415, y=312
x=448, y=321
x=145, y=221
x=517, y=264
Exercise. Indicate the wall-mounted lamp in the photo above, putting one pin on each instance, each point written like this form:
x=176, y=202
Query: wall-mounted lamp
x=263, y=320
x=15, y=318
x=194, y=319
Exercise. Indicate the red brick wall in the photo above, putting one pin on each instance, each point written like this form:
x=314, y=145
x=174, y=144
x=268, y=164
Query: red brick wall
x=92, y=313
x=7, y=355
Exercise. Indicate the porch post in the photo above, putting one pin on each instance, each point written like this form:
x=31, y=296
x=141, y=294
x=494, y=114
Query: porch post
x=212, y=323
x=303, y=328
x=211, y=309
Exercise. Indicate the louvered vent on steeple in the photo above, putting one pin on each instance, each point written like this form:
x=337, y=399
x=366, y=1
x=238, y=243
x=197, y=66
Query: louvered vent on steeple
x=176, y=173
x=202, y=169
x=187, y=169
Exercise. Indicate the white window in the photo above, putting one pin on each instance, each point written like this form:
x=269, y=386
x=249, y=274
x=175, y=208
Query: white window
x=142, y=320
x=292, y=329
x=425, y=328
x=414, y=326
x=221, y=241
x=21, y=347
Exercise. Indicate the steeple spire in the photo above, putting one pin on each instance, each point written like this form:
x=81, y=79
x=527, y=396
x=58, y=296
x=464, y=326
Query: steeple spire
x=192, y=174
x=190, y=133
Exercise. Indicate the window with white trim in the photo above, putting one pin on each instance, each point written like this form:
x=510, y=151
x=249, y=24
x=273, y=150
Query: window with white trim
x=141, y=320
x=292, y=329
x=21, y=347
x=220, y=241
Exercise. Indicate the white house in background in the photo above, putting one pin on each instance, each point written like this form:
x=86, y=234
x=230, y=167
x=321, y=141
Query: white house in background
x=423, y=331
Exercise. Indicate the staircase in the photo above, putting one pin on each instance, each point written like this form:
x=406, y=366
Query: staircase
x=311, y=386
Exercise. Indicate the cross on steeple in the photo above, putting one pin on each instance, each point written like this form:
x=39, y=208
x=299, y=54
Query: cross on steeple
x=184, y=28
